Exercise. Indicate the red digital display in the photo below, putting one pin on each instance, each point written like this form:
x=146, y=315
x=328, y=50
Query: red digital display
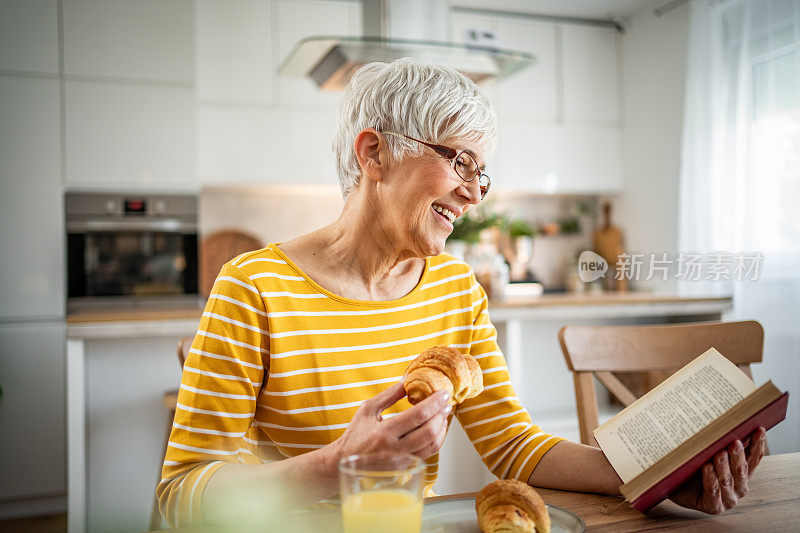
x=135, y=206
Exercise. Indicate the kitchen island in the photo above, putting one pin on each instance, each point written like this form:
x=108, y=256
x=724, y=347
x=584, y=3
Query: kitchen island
x=119, y=363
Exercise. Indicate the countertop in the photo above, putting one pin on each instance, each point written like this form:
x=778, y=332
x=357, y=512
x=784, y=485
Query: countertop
x=182, y=319
x=545, y=300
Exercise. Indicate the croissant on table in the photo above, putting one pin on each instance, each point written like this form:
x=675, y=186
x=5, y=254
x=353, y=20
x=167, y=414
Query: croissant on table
x=511, y=506
x=443, y=368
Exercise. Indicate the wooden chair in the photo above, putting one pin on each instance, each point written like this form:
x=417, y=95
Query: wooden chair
x=601, y=351
x=170, y=402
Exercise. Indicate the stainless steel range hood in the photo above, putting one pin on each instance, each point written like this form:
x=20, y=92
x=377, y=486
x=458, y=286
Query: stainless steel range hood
x=395, y=29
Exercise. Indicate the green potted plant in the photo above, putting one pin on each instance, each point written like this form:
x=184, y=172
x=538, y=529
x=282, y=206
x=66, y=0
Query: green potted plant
x=468, y=227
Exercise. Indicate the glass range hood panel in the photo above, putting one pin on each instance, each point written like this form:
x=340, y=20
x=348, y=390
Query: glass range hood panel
x=331, y=61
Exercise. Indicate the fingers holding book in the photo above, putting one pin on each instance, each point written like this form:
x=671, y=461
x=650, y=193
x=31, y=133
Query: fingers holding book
x=725, y=479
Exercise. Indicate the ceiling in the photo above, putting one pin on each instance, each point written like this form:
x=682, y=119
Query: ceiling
x=595, y=9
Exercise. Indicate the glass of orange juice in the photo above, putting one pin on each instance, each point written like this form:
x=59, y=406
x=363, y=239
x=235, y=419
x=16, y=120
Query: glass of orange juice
x=381, y=492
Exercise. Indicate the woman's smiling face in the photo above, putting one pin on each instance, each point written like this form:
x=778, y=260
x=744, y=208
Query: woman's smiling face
x=423, y=195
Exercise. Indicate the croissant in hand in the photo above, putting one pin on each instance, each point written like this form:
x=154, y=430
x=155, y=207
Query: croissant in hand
x=443, y=368
x=511, y=506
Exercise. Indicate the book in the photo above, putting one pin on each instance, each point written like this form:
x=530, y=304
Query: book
x=663, y=438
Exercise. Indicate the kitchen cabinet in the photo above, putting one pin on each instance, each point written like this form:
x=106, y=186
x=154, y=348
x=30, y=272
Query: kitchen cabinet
x=302, y=18
x=265, y=145
x=142, y=40
x=532, y=91
x=129, y=136
x=29, y=36
x=559, y=121
x=32, y=410
x=460, y=23
x=591, y=73
x=31, y=207
x=557, y=158
x=589, y=158
x=234, y=51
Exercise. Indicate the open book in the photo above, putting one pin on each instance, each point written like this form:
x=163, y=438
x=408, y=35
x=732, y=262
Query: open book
x=660, y=440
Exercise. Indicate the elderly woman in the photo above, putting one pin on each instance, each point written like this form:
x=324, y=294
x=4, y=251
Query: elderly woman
x=301, y=350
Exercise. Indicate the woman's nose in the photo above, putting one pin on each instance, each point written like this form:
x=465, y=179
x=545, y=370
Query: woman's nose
x=472, y=191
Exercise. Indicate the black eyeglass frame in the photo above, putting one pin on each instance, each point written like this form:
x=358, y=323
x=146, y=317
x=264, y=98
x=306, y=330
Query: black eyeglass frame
x=452, y=155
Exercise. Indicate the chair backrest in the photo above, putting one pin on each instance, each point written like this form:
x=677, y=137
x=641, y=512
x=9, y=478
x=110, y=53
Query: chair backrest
x=600, y=351
x=183, y=349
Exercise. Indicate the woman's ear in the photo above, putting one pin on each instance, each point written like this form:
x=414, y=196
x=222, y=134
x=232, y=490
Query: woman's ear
x=370, y=147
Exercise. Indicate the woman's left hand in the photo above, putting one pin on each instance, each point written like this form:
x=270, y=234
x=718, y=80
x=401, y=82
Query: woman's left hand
x=722, y=482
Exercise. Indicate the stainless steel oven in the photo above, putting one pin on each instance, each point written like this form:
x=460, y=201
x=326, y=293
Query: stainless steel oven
x=129, y=249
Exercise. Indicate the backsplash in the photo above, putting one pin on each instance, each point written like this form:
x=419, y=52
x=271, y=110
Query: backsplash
x=276, y=213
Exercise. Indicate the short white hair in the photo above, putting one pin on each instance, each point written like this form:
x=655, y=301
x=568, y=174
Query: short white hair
x=430, y=102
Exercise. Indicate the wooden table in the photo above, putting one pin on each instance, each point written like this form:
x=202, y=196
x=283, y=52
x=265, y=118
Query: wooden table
x=773, y=504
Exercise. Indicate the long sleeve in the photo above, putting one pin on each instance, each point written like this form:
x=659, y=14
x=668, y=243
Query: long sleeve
x=222, y=377
x=498, y=426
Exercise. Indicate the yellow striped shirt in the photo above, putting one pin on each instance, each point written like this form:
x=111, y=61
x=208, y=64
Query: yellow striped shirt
x=280, y=365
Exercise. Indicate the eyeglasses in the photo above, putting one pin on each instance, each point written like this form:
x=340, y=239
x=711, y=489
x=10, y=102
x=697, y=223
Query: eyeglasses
x=462, y=162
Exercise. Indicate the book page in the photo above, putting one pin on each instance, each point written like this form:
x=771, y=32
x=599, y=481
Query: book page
x=668, y=415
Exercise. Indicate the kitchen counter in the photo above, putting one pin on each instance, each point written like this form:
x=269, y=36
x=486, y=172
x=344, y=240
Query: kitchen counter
x=121, y=360
x=181, y=320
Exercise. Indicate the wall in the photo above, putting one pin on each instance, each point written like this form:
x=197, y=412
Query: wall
x=654, y=51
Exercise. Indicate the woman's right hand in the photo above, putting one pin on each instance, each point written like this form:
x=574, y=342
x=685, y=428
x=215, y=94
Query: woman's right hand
x=419, y=431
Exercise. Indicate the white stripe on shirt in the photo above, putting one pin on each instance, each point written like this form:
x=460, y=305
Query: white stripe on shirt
x=229, y=320
x=205, y=431
x=314, y=370
x=291, y=295
x=230, y=341
x=234, y=301
x=226, y=358
x=496, y=433
x=238, y=282
x=444, y=280
x=213, y=413
x=498, y=417
x=368, y=329
x=220, y=376
x=331, y=387
x=261, y=275
x=313, y=408
x=263, y=259
x=217, y=394
x=339, y=349
x=370, y=312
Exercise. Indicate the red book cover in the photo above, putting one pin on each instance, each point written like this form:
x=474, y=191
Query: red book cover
x=768, y=417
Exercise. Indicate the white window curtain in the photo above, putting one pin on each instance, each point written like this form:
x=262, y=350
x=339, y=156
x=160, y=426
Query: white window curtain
x=740, y=172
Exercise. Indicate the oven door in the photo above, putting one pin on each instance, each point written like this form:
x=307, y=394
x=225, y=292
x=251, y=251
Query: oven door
x=131, y=263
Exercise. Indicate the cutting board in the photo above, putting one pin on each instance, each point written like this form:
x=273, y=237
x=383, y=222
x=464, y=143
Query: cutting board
x=218, y=248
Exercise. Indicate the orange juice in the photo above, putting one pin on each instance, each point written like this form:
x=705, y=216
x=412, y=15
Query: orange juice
x=386, y=511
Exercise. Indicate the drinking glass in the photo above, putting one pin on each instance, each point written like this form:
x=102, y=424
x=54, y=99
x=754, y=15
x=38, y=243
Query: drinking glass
x=381, y=492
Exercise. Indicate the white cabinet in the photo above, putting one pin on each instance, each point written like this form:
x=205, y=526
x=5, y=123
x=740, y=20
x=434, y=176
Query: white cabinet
x=532, y=91
x=591, y=73
x=589, y=159
x=29, y=35
x=31, y=207
x=263, y=145
x=460, y=24
x=129, y=136
x=125, y=420
x=554, y=158
x=558, y=120
x=145, y=39
x=32, y=410
x=234, y=51
x=302, y=18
